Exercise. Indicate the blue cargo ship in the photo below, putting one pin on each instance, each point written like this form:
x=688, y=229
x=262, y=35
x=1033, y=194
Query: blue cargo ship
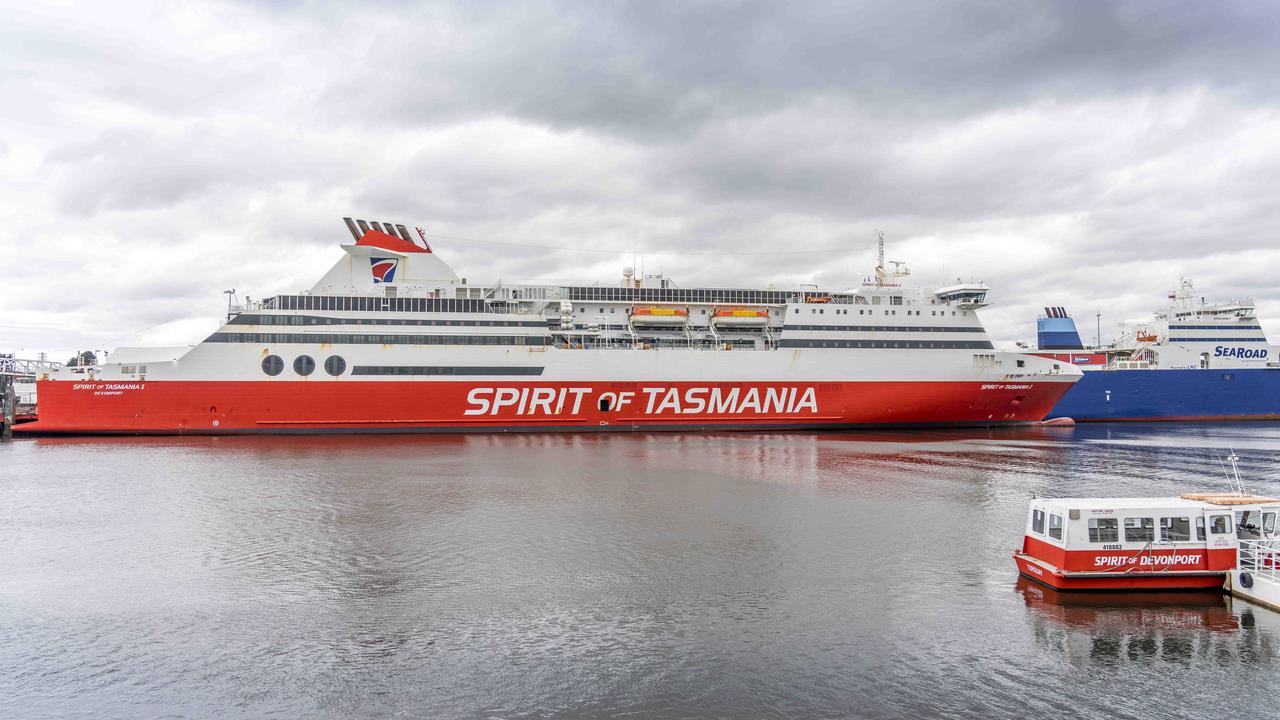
x=1192, y=361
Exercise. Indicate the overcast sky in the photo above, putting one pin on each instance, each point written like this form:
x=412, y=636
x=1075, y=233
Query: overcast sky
x=1075, y=153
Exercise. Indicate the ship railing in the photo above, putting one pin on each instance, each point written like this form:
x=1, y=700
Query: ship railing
x=19, y=367
x=1260, y=557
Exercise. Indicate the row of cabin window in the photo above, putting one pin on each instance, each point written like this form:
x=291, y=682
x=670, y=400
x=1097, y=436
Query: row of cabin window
x=355, y=339
x=316, y=320
x=718, y=295
x=906, y=344
x=344, y=303
x=838, y=311
x=1136, y=529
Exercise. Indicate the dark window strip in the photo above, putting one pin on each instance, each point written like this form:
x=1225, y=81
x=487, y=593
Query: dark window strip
x=1198, y=339
x=444, y=370
x=377, y=339
x=1215, y=327
x=889, y=344
x=347, y=303
x=319, y=320
x=682, y=295
x=883, y=328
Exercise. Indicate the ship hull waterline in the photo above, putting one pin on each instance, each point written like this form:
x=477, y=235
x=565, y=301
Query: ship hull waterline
x=1039, y=573
x=182, y=407
x=1173, y=396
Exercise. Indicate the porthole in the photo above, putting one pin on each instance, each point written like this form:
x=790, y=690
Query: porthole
x=272, y=365
x=304, y=365
x=335, y=365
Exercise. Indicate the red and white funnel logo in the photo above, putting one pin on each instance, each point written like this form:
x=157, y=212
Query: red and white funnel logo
x=384, y=269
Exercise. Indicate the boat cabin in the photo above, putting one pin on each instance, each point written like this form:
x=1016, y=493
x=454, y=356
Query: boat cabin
x=1141, y=543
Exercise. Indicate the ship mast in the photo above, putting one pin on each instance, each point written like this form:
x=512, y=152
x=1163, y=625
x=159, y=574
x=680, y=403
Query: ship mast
x=880, y=273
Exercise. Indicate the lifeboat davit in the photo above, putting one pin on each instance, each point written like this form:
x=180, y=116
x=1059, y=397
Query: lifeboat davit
x=656, y=315
x=740, y=317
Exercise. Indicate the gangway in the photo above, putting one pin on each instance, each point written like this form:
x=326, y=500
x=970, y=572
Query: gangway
x=12, y=368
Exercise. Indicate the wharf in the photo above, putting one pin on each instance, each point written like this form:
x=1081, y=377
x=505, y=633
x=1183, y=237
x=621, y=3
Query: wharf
x=13, y=370
x=1257, y=575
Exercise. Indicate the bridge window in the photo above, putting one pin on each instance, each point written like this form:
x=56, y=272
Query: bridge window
x=1037, y=522
x=1200, y=529
x=1104, y=530
x=1055, y=527
x=1140, y=529
x=1268, y=523
x=1175, y=529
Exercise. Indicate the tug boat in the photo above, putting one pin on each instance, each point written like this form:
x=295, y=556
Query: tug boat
x=1137, y=544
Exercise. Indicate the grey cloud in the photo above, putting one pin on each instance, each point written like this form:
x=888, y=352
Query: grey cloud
x=1073, y=149
x=138, y=169
x=653, y=69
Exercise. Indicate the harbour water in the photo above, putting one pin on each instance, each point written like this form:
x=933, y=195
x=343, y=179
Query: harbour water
x=511, y=576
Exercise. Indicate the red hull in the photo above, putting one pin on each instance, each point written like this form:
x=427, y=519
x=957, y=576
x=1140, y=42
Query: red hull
x=1135, y=581
x=226, y=407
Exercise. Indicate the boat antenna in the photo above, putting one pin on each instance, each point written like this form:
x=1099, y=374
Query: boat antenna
x=1235, y=470
x=1233, y=478
x=231, y=296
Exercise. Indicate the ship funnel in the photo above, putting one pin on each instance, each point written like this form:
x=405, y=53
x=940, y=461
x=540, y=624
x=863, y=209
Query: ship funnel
x=360, y=228
x=1057, y=331
x=351, y=225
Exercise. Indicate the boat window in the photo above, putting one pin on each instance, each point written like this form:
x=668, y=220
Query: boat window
x=335, y=365
x=272, y=365
x=1200, y=529
x=1268, y=523
x=1175, y=529
x=1037, y=522
x=1247, y=525
x=304, y=365
x=1220, y=524
x=1104, y=530
x=1055, y=527
x=1141, y=529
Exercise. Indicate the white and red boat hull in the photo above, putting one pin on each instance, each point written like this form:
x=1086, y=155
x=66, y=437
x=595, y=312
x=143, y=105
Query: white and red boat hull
x=256, y=406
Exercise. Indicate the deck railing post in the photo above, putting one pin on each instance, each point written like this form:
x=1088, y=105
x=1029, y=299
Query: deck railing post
x=10, y=402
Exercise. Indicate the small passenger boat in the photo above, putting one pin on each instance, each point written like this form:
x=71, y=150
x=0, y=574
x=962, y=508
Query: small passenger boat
x=1181, y=543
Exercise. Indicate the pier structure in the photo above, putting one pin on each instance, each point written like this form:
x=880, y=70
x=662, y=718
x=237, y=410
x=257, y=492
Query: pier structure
x=11, y=370
x=1257, y=574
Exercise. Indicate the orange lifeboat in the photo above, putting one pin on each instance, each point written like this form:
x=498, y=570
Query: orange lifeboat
x=658, y=315
x=817, y=299
x=1147, y=337
x=740, y=317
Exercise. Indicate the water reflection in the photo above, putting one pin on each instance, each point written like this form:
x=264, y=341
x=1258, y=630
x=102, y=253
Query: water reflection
x=788, y=574
x=1111, y=629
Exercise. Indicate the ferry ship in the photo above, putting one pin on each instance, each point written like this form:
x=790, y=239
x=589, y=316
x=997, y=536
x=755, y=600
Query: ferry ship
x=391, y=339
x=1194, y=360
